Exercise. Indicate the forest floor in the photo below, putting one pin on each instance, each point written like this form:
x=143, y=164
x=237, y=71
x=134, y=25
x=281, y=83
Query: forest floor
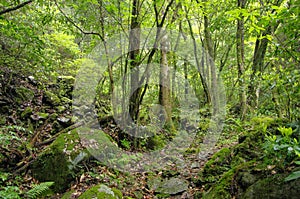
x=35, y=126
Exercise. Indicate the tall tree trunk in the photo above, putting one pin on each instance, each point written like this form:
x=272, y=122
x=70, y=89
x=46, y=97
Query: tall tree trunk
x=164, y=84
x=258, y=60
x=134, y=44
x=240, y=54
x=211, y=64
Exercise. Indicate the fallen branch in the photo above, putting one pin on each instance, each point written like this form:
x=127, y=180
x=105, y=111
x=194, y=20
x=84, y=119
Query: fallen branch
x=50, y=140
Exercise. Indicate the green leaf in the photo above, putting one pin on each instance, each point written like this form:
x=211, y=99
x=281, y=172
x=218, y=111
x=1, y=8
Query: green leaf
x=293, y=176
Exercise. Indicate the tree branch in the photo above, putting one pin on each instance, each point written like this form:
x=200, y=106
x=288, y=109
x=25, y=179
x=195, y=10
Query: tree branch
x=76, y=26
x=15, y=7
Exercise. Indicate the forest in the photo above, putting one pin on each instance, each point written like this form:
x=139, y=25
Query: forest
x=149, y=99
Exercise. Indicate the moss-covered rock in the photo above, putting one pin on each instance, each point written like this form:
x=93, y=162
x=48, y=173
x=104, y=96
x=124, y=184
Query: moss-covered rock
x=241, y=171
x=58, y=162
x=51, y=98
x=23, y=94
x=273, y=187
x=102, y=192
x=66, y=84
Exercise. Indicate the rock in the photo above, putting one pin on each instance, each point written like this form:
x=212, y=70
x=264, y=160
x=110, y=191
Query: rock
x=39, y=116
x=172, y=186
x=102, y=192
x=23, y=94
x=64, y=120
x=51, y=98
x=66, y=84
x=58, y=162
x=246, y=179
x=273, y=187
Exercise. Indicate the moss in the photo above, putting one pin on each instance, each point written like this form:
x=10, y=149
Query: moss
x=23, y=94
x=68, y=194
x=26, y=113
x=52, y=166
x=156, y=142
x=222, y=188
x=102, y=192
x=58, y=161
x=273, y=187
x=51, y=98
x=219, y=162
x=42, y=115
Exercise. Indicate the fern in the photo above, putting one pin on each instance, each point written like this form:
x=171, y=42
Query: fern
x=39, y=190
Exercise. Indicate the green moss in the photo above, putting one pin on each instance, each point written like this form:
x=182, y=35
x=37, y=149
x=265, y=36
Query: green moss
x=52, y=166
x=43, y=115
x=68, y=194
x=156, y=142
x=51, y=98
x=222, y=188
x=219, y=162
x=102, y=192
x=23, y=94
x=26, y=113
x=58, y=161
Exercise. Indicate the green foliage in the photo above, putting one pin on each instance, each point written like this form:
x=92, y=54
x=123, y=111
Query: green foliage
x=126, y=144
x=39, y=190
x=9, y=135
x=10, y=192
x=284, y=147
x=294, y=175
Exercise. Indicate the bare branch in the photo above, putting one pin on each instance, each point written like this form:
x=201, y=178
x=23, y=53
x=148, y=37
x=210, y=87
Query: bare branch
x=15, y=7
x=76, y=26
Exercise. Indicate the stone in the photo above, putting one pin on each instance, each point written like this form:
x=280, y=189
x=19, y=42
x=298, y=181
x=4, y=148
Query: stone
x=58, y=162
x=273, y=187
x=172, y=186
x=102, y=192
x=51, y=98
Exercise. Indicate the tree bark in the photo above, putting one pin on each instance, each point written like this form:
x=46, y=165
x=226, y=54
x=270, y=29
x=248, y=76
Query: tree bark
x=134, y=44
x=164, y=85
x=258, y=60
x=240, y=54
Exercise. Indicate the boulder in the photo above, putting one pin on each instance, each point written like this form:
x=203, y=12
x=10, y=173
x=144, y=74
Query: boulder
x=59, y=161
x=51, y=98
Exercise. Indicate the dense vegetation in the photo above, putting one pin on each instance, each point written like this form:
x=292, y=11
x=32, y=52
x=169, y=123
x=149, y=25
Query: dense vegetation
x=144, y=99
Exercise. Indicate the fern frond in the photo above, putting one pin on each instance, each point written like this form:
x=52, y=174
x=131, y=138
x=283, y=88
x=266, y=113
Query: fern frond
x=39, y=190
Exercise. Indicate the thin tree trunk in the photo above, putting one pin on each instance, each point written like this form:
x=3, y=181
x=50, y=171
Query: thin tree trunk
x=164, y=86
x=240, y=53
x=258, y=61
x=134, y=44
x=210, y=57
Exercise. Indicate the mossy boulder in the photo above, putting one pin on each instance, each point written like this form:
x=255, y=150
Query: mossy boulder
x=58, y=162
x=242, y=171
x=102, y=192
x=51, y=98
x=273, y=187
x=66, y=84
